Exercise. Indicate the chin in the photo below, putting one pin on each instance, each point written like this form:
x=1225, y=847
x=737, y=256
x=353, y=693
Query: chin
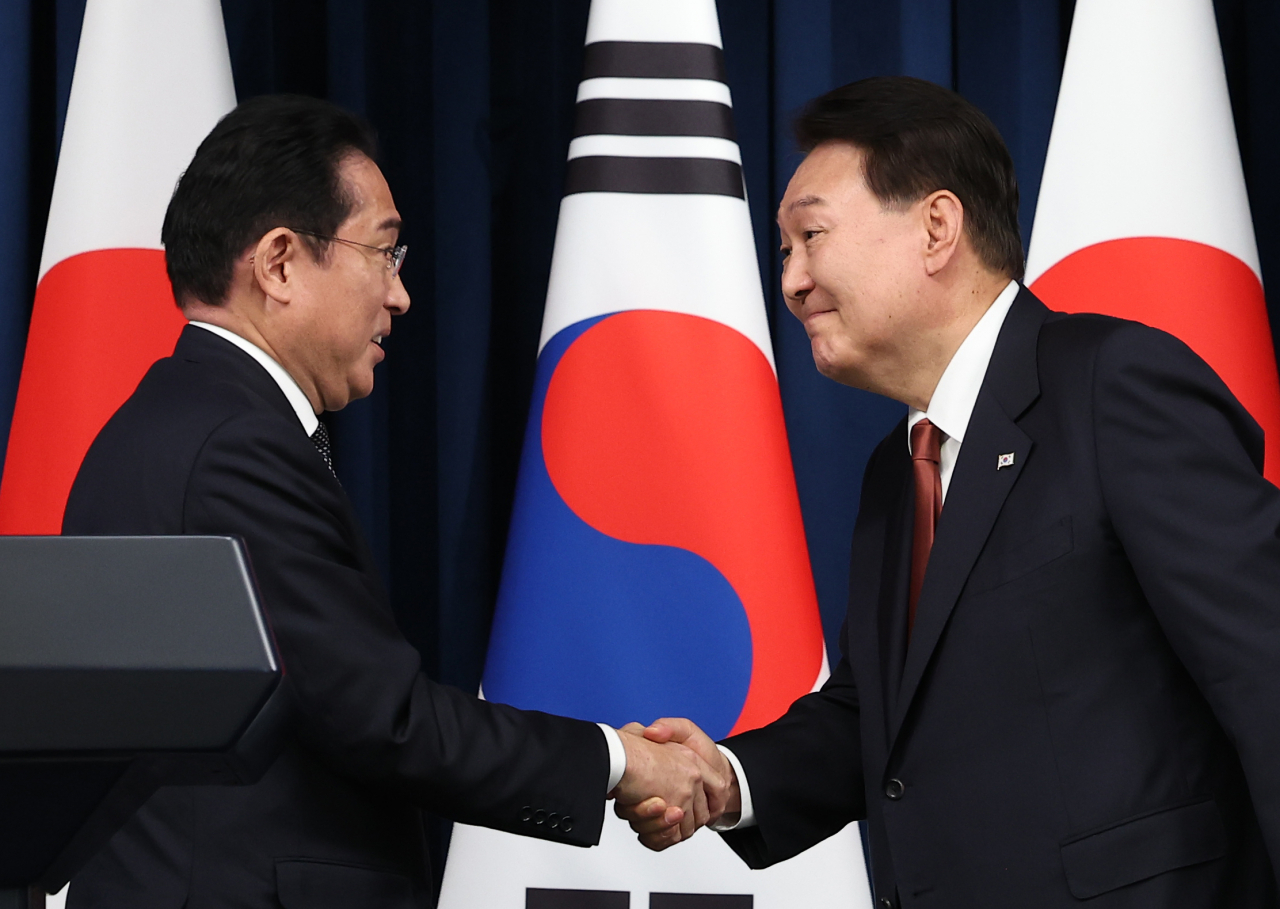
x=360, y=386
x=824, y=359
x=835, y=367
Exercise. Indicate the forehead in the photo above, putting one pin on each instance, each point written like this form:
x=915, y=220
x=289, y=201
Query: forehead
x=369, y=190
x=830, y=174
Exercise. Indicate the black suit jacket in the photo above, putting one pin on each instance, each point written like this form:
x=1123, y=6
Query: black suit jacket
x=208, y=444
x=1089, y=708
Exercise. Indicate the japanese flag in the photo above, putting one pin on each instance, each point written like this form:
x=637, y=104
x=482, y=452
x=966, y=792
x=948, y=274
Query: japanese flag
x=152, y=78
x=1142, y=211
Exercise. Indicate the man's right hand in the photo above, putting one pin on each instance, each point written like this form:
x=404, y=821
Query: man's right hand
x=667, y=786
x=658, y=821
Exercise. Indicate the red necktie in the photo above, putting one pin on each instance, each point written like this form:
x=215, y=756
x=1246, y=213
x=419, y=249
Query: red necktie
x=926, y=447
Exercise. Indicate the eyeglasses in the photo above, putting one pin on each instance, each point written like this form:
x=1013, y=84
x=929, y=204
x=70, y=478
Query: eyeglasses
x=394, y=254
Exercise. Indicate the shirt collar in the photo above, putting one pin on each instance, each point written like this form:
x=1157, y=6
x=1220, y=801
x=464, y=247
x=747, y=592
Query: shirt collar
x=292, y=392
x=952, y=403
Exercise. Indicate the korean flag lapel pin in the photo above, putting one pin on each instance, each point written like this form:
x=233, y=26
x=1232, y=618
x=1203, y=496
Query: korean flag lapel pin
x=1004, y=460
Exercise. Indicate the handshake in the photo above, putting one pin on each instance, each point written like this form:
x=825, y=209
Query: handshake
x=676, y=781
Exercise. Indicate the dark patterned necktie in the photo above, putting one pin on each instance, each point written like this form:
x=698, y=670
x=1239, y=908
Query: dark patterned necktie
x=320, y=438
x=926, y=452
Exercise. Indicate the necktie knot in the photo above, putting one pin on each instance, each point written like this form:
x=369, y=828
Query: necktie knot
x=926, y=442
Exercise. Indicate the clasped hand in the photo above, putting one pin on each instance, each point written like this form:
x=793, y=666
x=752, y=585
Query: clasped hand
x=676, y=781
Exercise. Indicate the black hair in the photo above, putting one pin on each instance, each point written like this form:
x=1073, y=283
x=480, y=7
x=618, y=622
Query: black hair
x=916, y=138
x=272, y=162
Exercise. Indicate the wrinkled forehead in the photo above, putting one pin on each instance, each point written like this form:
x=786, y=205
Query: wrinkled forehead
x=831, y=171
x=810, y=195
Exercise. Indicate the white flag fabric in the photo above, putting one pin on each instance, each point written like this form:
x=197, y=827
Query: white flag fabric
x=152, y=78
x=656, y=564
x=1143, y=212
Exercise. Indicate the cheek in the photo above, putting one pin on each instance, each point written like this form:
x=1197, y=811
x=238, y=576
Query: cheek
x=344, y=344
x=840, y=280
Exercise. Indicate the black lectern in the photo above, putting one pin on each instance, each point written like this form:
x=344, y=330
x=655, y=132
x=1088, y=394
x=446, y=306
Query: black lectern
x=126, y=663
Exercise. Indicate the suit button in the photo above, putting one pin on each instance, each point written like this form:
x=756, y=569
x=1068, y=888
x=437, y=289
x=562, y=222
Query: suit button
x=539, y=816
x=894, y=789
x=884, y=903
x=526, y=813
x=566, y=823
x=553, y=820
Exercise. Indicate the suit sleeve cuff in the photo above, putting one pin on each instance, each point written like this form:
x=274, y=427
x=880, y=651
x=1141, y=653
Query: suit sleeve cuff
x=617, y=755
x=748, y=816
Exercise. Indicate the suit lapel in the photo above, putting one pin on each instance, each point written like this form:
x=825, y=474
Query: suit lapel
x=983, y=477
x=895, y=578
x=197, y=345
x=871, y=594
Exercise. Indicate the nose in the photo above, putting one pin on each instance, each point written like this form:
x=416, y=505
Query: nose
x=796, y=280
x=398, y=297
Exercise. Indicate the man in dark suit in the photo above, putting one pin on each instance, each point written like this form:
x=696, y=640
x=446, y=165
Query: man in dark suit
x=281, y=242
x=1062, y=686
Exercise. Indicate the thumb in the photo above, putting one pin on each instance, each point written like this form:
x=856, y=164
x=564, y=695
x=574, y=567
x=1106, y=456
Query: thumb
x=686, y=732
x=674, y=729
x=658, y=731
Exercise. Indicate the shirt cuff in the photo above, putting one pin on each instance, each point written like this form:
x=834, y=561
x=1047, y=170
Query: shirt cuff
x=617, y=755
x=748, y=816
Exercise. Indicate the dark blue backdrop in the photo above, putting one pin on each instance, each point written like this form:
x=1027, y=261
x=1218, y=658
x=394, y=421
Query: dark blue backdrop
x=474, y=104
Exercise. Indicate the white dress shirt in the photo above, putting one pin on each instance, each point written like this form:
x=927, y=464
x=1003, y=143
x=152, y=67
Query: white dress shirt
x=307, y=417
x=949, y=409
x=952, y=403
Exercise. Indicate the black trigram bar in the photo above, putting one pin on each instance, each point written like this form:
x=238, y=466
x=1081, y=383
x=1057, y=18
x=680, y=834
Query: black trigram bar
x=610, y=174
x=649, y=117
x=699, y=901
x=536, y=898
x=653, y=60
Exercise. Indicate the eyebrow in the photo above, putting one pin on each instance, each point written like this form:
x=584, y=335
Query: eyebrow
x=391, y=224
x=802, y=202
x=806, y=200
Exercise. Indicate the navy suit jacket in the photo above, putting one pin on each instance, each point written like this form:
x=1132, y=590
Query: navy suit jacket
x=208, y=444
x=1089, y=707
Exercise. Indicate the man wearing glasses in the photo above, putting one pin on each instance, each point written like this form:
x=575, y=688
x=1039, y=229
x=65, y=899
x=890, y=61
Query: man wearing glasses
x=282, y=246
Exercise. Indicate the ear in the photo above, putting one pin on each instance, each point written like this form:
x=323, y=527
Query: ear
x=274, y=262
x=943, y=216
